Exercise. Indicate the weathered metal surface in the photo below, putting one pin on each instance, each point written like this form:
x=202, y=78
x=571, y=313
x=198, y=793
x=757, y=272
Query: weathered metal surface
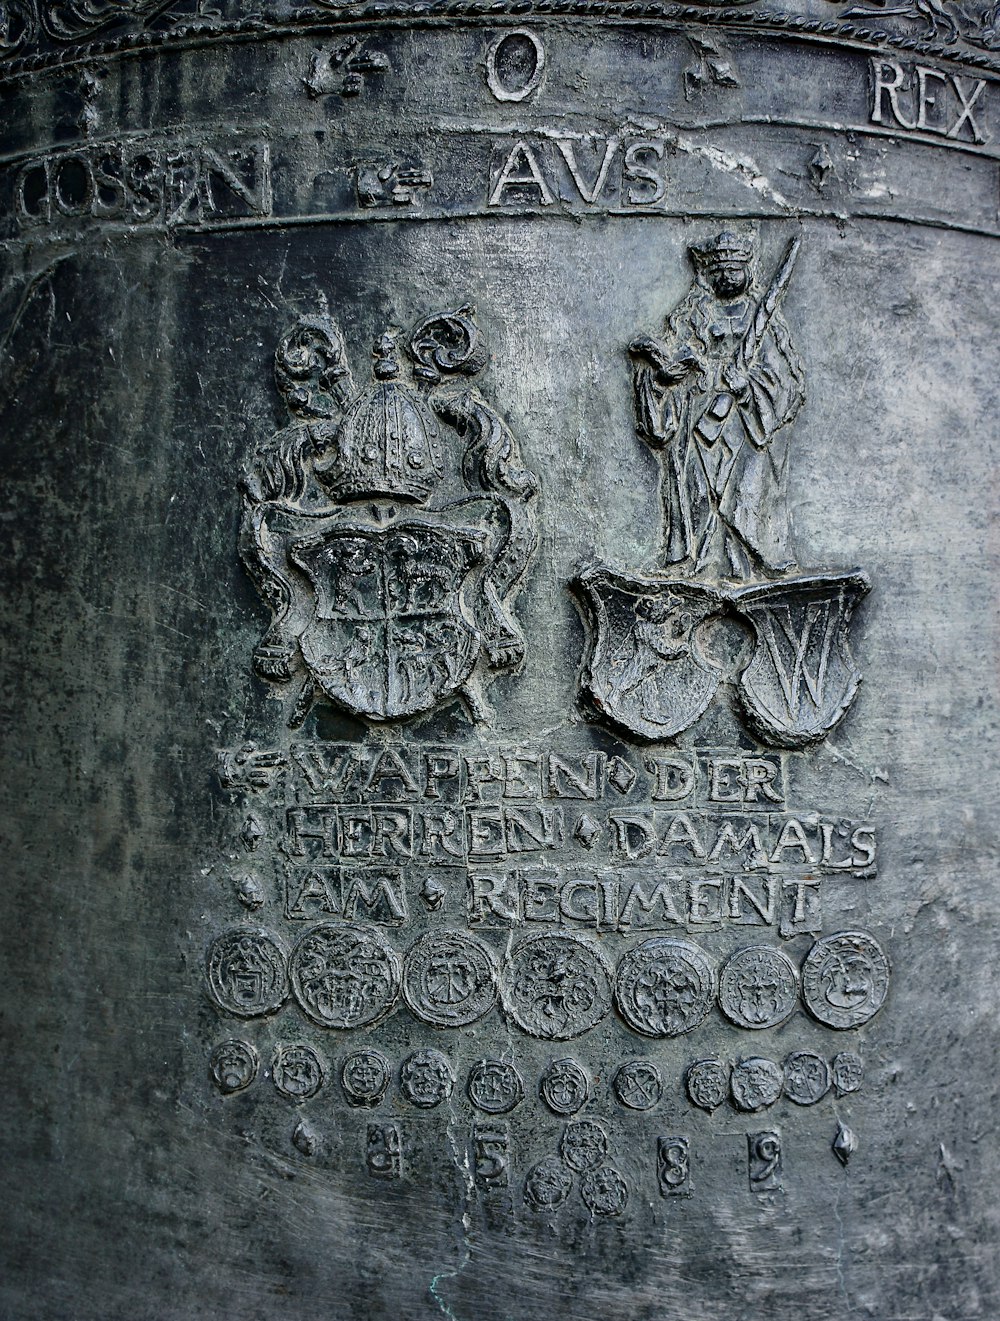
x=500, y=711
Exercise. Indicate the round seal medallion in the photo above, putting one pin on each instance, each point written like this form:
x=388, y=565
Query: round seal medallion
x=365, y=1077
x=848, y=1072
x=426, y=1078
x=638, y=1085
x=556, y=987
x=755, y=1083
x=584, y=1144
x=233, y=1066
x=845, y=978
x=297, y=1072
x=807, y=1077
x=758, y=987
x=707, y=1083
x=344, y=976
x=604, y=1191
x=449, y=979
x=664, y=987
x=247, y=973
x=495, y=1086
x=564, y=1087
x=548, y=1184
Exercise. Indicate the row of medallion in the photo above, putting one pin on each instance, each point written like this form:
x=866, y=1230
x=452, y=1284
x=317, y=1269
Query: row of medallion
x=426, y=1078
x=552, y=986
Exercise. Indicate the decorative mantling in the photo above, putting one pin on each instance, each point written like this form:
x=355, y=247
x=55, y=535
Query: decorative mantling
x=38, y=33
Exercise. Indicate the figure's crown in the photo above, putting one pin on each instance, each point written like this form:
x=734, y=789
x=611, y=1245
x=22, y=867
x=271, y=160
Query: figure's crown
x=387, y=443
x=726, y=246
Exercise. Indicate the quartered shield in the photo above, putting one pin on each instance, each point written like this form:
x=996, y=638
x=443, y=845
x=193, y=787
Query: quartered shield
x=644, y=671
x=390, y=635
x=801, y=677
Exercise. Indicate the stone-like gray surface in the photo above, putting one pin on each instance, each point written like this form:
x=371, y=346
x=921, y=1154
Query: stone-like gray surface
x=402, y=746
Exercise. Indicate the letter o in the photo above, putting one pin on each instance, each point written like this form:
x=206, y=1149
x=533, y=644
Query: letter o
x=510, y=41
x=73, y=185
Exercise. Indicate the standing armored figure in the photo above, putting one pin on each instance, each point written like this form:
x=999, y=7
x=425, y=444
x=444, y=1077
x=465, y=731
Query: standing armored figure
x=715, y=395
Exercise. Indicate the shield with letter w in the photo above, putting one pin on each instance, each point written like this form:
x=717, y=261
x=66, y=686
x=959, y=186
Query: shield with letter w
x=801, y=678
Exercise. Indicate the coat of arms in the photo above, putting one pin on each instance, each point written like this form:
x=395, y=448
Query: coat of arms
x=715, y=398
x=388, y=527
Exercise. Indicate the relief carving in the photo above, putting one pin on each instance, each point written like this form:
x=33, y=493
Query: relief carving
x=715, y=398
x=388, y=528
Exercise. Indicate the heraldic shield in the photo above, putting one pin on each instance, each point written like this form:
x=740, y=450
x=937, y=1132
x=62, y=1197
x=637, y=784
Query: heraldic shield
x=390, y=635
x=644, y=670
x=715, y=398
x=801, y=677
x=391, y=561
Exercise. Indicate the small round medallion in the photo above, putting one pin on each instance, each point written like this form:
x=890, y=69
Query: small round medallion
x=584, y=1144
x=638, y=1085
x=233, y=1066
x=664, y=987
x=364, y=1077
x=495, y=1086
x=848, y=1072
x=604, y=1191
x=344, y=976
x=807, y=1077
x=548, y=1184
x=755, y=1083
x=564, y=1087
x=247, y=973
x=426, y=1078
x=449, y=979
x=707, y=1083
x=297, y=1072
x=845, y=979
x=758, y=987
x=556, y=987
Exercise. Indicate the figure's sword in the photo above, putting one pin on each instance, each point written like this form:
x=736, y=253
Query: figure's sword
x=714, y=418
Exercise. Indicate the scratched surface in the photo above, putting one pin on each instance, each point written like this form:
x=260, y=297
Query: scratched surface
x=397, y=804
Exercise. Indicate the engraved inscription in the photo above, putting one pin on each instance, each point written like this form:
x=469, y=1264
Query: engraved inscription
x=152, y=183
x=673, y=1166
x=764, y=1161
x=625, y=169
x=919, y=98
x=491, y=1156
x=515, y=63
x=384, y=1151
